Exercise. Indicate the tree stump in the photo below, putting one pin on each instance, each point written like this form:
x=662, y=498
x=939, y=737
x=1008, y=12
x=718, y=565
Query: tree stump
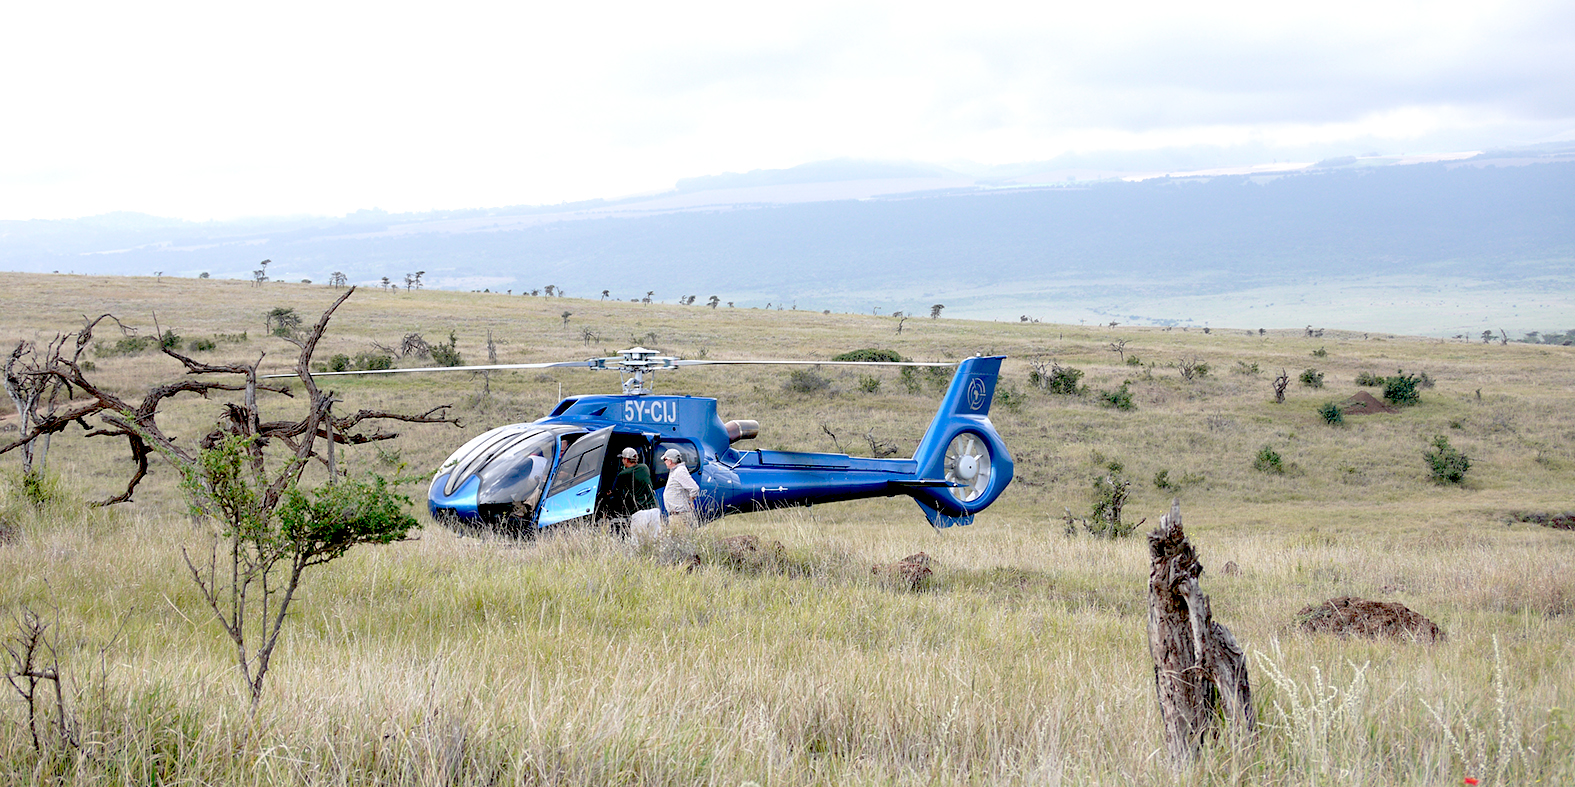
x=1197, y=663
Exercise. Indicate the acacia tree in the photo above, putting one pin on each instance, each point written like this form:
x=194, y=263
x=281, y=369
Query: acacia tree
x=244, y=476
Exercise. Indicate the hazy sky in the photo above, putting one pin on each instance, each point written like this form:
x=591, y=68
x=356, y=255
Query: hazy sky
x=217, y=110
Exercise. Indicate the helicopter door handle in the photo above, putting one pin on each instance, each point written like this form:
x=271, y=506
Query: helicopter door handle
x=769, y=489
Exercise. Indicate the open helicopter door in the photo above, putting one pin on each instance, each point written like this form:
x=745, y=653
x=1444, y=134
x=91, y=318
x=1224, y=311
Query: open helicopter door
x=576, y=481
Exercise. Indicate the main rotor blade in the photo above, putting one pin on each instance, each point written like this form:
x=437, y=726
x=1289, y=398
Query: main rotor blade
x=817, y=363
x=497, y=367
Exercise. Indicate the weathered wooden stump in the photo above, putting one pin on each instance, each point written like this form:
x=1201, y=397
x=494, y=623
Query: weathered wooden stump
x=1197, y=663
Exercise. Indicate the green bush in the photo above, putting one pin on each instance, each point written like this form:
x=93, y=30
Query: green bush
x=1242, y=367
x=447, y=354
x=1009, y=398
x=1120, y=398
x=871, y=354
x=170, y=340
x=126, y=345
x=1268, y=460
x=1312, y=378
x=910, y=380
x=806, y=381
x=374, y=361
x=200, y=345
x=282, y=321
x=869, y=383
x=1445, y=462
x=1055, y=378
x=1320, y=353
x=1402, y=389
x=1331, y=414
x=339, y=363
x=1369, y=380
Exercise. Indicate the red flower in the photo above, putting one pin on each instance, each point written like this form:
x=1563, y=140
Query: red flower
x=1471, y=781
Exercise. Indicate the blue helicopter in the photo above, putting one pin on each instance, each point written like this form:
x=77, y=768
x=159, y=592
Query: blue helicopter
x=521, y=478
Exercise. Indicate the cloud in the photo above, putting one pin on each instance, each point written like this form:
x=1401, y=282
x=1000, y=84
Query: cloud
x=204, y=110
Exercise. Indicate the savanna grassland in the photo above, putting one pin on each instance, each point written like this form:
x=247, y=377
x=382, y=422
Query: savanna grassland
x=577, y=659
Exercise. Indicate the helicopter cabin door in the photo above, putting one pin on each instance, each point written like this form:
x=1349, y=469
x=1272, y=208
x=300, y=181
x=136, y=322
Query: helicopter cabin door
x=576, y=482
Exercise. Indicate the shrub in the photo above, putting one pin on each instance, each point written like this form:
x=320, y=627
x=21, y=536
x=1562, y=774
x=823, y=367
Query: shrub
x=1121, y=398
x=1312, y=378
x=282, y=321
x=1009, y=398
x=871, y=354
x=447, y=354
x=1332, y=414
x=339, y=363
x=126, y=345
x=1401, y=389
x=1055, y=378
x=910, y=380
x=1369, y=380
x=1320, y=353
x=869, y=383
x=1242, y=367
x=374, y=361
x=170, y=340
x=1445, y=462
x=1192, y=367
x=200, y=345
x=1269, y=461
x=1133, y=360
x=806, y=381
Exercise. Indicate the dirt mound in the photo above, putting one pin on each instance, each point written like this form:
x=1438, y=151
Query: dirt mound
x=747, y=553
x=1564, y=521
x=910, y=573
x=1348, y=616
x=1364, y=403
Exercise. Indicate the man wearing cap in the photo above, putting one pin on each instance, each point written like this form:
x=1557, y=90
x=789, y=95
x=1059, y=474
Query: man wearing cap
x=679, y=494
x=631, y=489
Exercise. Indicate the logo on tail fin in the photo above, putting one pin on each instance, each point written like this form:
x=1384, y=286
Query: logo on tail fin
x=978, y=395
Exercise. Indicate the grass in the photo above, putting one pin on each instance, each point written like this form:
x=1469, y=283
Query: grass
x=578, y=659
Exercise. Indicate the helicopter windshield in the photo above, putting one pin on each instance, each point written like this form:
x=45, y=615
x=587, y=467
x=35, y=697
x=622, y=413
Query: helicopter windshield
x=510, y=464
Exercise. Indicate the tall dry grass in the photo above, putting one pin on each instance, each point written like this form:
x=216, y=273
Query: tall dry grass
x=579, y=659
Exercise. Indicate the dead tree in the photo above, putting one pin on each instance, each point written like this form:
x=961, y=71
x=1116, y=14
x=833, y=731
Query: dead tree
x=1197, y=663
x=137, y=421
x=36, y=396
x=1280, y=383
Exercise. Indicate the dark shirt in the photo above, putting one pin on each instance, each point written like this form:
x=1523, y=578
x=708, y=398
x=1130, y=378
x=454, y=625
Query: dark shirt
x=631, y=491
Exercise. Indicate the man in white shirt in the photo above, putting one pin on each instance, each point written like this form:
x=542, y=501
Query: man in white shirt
x=680, y=492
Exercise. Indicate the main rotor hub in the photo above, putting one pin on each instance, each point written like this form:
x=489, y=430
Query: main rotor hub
x=633, y=364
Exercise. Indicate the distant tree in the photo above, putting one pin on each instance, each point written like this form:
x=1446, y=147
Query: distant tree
x=386, y=284
x=605, y=294
x=566, y=315
x=935, y=310
x=337, y=280
x=648, y=296
x=1120, y=348
x=306, y=281
x=202, y=275
x=410, y=281
x=729, y=304
x=534, y=293
x=714, y=301
x=1487, y=336
x=158, y=277
x=550, y=289
x=419, y=274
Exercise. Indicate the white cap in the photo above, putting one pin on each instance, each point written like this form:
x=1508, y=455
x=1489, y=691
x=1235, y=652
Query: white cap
x=629, y=453
x=672, y=455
